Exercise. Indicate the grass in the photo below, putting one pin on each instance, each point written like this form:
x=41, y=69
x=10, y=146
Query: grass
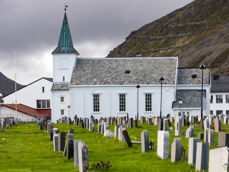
x=27, y=148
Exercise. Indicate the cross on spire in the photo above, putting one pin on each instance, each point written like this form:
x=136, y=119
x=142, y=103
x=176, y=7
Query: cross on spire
x=65, y=8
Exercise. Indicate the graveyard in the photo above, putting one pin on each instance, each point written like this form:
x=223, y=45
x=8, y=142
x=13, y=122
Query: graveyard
x=25, y=147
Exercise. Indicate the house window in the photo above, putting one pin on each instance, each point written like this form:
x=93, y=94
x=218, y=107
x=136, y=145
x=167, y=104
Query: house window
x=219, y=99
x=211, y=112
x=63, y=78
x=187, y=113
x=219, y=112
x=122, y=102
x=211, y=100
x=43, y=104
x=227, y=98
x=96, y=107
x=43, y=89
x=148, y=102
x=227, y=112
x=61, y=99
x=62, y=111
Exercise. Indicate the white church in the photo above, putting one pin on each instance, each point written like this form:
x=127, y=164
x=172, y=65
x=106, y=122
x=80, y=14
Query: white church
x=105, y=87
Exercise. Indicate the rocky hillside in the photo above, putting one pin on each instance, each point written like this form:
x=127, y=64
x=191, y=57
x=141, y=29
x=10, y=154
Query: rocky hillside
x=197, y=33
x=7, y=85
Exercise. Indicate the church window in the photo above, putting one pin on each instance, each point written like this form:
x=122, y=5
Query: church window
x=96, y=106
x=211, y=100
x=227, y=98
x=62, y=111
x=63, y=78
x=148, y=102
x=43, y=104
x=43, y=89
x=219, y=98
x=62, y=99
x=122, y=102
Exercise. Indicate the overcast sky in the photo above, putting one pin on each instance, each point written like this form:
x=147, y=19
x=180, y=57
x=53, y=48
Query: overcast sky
x=31, y=29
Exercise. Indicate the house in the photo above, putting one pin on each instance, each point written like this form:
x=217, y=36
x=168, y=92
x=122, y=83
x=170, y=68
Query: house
x=23, y=113
x=116, y=86
x=219, y=96
x=36, y=95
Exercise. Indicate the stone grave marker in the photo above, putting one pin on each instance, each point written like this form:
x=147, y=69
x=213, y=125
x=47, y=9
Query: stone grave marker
x=92, y=127
x=126, y=137
x=223, y=139
x=210, y=137
x=76, y=153
x=202, y=156
x=192, y=150
x=70, y=145
x=206, y=136
x=160, y=124
x=165, y=125
x=219, y=160
x=201, y=135
x=176, y=150
x=217, y=123
x=130, y=123
x=135, y=123
x=163, y=144
x=178, y=126
x=115, y=131
x=83, y=157
x=61, y=141
x=145, y=141
x=55, y=142
x=190, y=132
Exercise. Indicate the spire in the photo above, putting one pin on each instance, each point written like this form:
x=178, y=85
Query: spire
x=65, y=44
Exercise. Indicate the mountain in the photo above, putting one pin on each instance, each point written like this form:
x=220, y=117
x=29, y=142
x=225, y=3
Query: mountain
x=197, y=33
x=7, y=85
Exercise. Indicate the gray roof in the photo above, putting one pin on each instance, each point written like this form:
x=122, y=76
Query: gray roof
x=60, y=86
x=111, y=71
x=189, y=98
x=185, y=76
x=220, y=84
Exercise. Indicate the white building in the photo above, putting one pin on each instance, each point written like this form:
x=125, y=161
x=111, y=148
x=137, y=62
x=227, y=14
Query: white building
x=108, y=86
x=219, y=100
x=35, y=95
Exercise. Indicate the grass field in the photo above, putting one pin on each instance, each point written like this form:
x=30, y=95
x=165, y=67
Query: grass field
x=27, y=148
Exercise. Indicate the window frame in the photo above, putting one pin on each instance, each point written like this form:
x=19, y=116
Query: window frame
x=217, y=98
x=122, y=102
x=148, y=102
x=96, y=102
x=43, y=103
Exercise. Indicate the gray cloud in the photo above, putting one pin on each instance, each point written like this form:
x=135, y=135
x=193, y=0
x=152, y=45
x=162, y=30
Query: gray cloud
x=31, y=27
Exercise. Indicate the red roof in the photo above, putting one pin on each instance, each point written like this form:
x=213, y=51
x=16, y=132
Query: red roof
x=39, y=113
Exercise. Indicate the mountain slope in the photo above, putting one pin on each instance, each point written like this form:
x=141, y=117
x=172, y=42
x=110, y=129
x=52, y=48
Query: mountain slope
x=7, y=85
x=197, y=33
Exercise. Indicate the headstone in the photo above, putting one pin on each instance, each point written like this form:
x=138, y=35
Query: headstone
x=150, y=121
x=184, y=122
x=55, y=142
x=190, y=132
x=120, y=134
x=163, y=144
x=176, y=150
x=106, y=126
x=108, y=133
x=206, y=124
x=201, y=135
x=192, y=150
x=76, y=153
x=202, y=156
x=61, y=141
x=165, y=125
x=48, y=128
x=217, y=124
x=219, y=160
x=201, y=124
x=178, y=126
x=83, y=157
x=223, y=139
x=142, y=119
x=126, y=136
x=145, y=141
x=130, y=123
x=135, y=124
x=210, y=137
x=206, y=136
x=92, y=127
x=160, y=124
x=70, y=145
x=115, y=131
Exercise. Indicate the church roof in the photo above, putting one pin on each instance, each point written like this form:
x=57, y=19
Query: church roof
x=219, y=84
x=65, y=44
x=193, y=76
x=60, y=86
x=124, y=71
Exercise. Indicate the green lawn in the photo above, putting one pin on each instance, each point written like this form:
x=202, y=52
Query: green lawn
x=26, y=148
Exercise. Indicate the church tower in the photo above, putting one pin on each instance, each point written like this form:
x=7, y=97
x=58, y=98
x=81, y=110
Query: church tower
x=64, y=58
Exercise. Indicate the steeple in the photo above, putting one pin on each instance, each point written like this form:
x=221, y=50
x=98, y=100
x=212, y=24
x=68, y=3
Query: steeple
x=65, y=44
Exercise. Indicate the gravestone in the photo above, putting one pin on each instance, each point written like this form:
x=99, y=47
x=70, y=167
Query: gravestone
x=142, y=119
x=135, y=124
x=83, y=157
x=61, y=141
x=76, y=153
x=150, y=121
x=201, y=124
x=219, y=160
x=225, y=121
x=210, y=137
x=145, y=141
x=55, y=142
x=184, y=122
x=106, y=126
x=206, y=124
x=192, y=119
x=192, y=150
x=156, y=121
x=217, y=124
x=171, y=119
x=48, y=128
x=120, y=134
x=206, y=136
x=92, y=127
x=130, y=123
x=163, y=144
x=51, y=134
x=160, y=124
x=190, y=132
x=223, y=139
x=202, y=156
x=165, y=125
x=108, y=133
x=126, y=137
x=201, y=135
x=178, y=126
x=70, y=145
x=116, y=131
x=176, y=150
